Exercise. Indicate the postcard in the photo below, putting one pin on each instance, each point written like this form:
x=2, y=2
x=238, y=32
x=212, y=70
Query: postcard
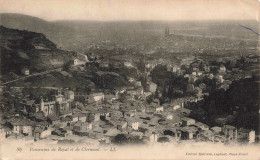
x=129, y=79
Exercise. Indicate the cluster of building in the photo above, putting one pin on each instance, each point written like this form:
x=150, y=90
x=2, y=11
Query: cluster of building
x=126, y=111
x=196, y=69
x=104, y=117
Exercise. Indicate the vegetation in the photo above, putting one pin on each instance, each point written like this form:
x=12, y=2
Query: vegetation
x=108, y=80
x=122, y=139
x=237, y=106
x=24, y=49
x=173, y=86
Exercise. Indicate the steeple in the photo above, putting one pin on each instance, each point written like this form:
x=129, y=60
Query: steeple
x=167, y=31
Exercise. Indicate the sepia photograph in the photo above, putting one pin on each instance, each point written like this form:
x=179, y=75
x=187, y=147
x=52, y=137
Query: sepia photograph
x=129, y=79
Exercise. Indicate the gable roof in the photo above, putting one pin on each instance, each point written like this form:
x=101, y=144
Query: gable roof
x=186, y=119
x=189, y=129
x=21, y=122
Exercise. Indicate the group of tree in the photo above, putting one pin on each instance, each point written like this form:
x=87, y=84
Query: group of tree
x=239, y=105
x=172, y=85
x=122, y=139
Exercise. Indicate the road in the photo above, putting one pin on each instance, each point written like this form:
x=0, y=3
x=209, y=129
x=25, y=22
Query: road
x=32, y=75
x=54, y=88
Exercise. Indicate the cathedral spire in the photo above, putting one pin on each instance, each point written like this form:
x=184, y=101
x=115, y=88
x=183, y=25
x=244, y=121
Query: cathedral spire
x=167, y=31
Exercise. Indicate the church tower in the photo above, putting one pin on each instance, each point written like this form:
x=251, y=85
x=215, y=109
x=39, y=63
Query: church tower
x=167, y=31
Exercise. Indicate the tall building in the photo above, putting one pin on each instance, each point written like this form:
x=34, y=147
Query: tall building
x=167, y=31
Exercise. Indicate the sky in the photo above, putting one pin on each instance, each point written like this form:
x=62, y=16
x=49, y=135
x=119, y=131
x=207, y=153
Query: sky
x=107, y=10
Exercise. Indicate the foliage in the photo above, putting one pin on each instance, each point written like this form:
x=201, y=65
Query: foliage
x=122, y=139
x=149, y=99
x=141, y=65
x=109, y=81
x=241, y=100
x=163, y=139
x=174, y=86
x=143, y=80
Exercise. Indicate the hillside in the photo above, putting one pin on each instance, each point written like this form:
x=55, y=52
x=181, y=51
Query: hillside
x=237, y=106
x=24, y=49
x=19, y=21
x=53, y=31
x=19, y=49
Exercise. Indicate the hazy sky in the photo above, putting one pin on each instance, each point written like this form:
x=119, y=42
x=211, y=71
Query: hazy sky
x=134, y=9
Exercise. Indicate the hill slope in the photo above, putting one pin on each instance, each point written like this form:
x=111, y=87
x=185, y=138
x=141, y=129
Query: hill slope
x=19, y=49
x=52, y=31
x=238, y=106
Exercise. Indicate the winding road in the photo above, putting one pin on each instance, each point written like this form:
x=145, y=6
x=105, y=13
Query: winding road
x=32, y=75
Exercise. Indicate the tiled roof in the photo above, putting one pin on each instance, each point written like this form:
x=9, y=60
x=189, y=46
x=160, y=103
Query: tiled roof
x=21, y=122
x=199, y=124
x=244, y=130
x=185, y=110
x=67, y=118
x=186, y=119
x=38, y=130
x=44, y=123
x=229, y=127
x=189, y=129
x=7, y=129
x=53, y=118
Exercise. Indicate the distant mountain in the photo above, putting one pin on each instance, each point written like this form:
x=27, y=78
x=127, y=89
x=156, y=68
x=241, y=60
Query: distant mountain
x=77, y=35
x=20, y=49
x=24, y=22
x=52, y=30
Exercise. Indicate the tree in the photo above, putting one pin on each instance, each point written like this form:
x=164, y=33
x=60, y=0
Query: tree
x=149, y=99
x=174, y=86
x=120, y=139
x=122, y=97
x=242, y=98
x=144, y=82
x=141, y=65
x=163, y=139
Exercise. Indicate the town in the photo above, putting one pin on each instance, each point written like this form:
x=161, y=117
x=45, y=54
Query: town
x=124, y=100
